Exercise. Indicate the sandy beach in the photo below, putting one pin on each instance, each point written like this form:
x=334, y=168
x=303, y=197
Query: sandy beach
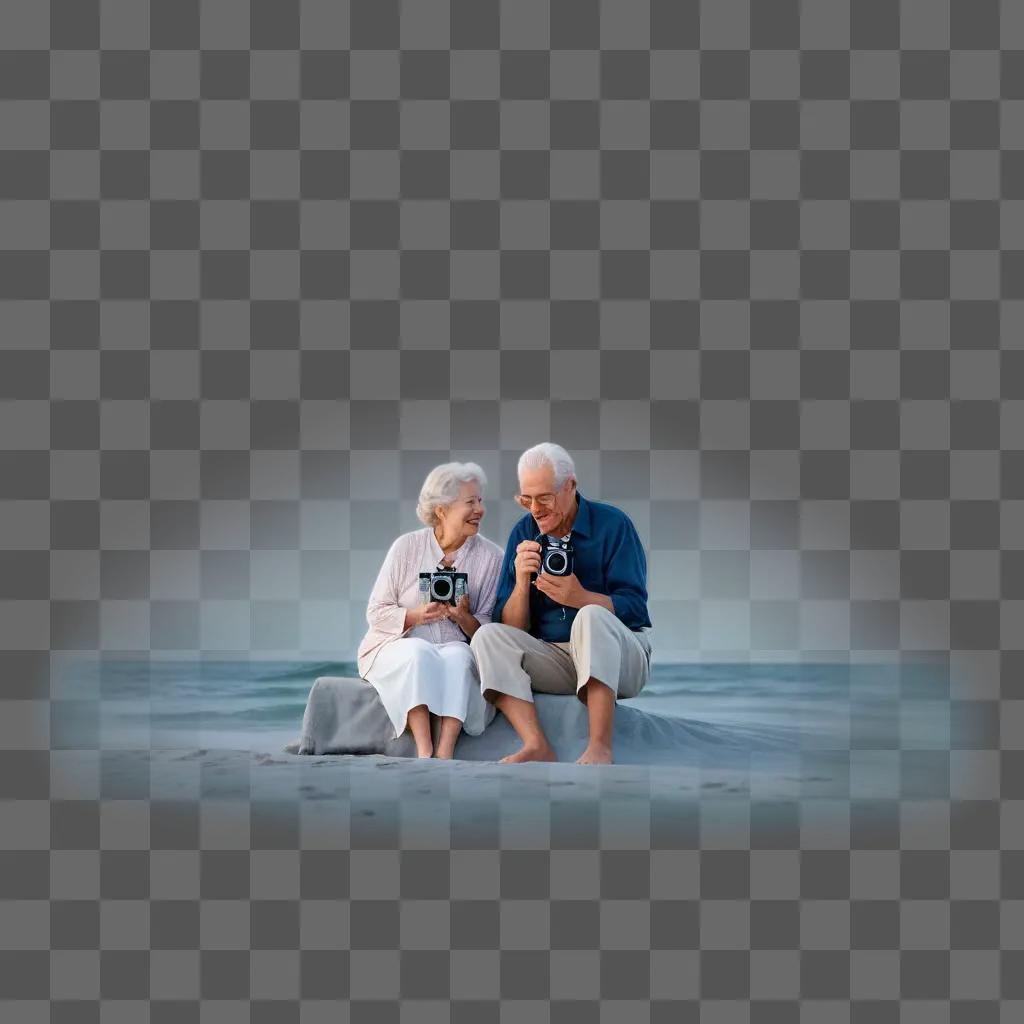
x=725, y=742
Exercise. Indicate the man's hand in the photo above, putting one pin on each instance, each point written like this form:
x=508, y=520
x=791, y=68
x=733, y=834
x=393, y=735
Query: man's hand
x=564, y=590
x=527, y=558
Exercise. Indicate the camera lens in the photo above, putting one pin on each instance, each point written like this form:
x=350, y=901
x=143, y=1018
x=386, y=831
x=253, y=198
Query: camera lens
x=442, y=588
x=556, y=563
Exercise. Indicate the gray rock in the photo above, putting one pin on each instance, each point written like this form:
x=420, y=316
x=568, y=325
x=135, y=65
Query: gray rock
x=345, y=716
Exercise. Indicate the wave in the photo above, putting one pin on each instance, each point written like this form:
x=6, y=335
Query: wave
x=304, y=670
x=280, y=713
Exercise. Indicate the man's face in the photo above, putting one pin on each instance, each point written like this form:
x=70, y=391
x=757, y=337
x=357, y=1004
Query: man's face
x=551, y=505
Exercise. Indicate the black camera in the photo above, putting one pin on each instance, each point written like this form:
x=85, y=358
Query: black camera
x=556, y=558
x=442, y=585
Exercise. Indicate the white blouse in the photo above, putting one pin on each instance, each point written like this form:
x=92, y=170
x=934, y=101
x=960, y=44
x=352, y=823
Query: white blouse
x=397, y=589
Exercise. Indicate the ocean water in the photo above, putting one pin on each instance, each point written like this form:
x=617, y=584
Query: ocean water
x=118, y=703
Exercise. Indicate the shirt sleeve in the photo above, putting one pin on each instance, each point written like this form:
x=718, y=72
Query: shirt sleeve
x=383, y=611
x=626, y=577
x=506, y=575
x=484, y=611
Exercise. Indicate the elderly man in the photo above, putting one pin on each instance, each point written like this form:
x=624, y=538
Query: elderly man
x=582, y=632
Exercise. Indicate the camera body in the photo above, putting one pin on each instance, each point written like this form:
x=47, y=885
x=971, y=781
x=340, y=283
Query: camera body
x=444, y=585
x=556, y=557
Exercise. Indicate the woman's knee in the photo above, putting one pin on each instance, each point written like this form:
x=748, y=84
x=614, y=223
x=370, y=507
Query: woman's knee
x=458, y=655
x=418, y=650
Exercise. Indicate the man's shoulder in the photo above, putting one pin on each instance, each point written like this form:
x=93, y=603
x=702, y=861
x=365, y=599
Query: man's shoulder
x=608, y=516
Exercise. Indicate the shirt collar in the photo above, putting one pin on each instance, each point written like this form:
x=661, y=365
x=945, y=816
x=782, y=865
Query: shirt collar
x=581, y=524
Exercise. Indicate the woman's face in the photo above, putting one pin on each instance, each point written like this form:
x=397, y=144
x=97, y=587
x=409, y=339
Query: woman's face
x=463, y=515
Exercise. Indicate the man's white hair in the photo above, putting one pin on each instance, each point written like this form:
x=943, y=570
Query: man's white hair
x=548, y=454
x=441, y=487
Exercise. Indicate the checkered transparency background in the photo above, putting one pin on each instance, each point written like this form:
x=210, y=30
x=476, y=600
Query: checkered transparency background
x=759, y=266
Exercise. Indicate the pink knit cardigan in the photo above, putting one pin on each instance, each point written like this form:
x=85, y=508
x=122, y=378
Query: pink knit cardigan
x=397, y=589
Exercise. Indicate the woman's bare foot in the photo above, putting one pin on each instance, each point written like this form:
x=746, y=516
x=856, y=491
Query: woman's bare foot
x=449, y=736
x=596, y=753
x=531, y=752
x=418, y=719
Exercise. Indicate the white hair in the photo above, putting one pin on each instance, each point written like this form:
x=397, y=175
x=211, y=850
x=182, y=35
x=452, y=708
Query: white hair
x=441, y=487
x=548, y=454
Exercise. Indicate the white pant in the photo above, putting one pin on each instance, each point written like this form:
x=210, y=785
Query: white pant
x=410, y=671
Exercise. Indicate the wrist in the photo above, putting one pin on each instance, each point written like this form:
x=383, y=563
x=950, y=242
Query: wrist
x=593, y=597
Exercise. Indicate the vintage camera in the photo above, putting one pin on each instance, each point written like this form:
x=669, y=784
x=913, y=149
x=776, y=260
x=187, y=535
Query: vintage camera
x=444, y=585
x=556, y=558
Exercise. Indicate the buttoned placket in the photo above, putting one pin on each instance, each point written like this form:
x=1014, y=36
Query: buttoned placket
x=437, y=629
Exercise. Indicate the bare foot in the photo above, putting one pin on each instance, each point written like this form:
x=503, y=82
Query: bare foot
x=429, y=752
x=445, y=755
x=533, y=752
x=596, y=753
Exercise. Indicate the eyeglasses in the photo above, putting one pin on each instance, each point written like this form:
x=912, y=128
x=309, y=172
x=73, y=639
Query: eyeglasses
x=544, y=501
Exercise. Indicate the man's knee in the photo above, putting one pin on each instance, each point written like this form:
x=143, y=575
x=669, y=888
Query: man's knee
x=488, y=636
x=590, y=614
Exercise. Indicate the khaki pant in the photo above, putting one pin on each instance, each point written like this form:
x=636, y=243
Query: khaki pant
x=510, y=660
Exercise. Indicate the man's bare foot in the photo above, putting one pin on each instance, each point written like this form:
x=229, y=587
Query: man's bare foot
x=532, y=752
x=445, y=755
x=429, y=752
x=596, y=753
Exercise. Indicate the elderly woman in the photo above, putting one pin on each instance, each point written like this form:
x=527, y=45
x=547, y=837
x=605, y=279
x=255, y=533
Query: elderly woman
x=416, y=652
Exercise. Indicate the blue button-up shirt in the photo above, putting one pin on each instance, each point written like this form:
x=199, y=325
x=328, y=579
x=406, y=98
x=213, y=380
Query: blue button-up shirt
x=608, y=559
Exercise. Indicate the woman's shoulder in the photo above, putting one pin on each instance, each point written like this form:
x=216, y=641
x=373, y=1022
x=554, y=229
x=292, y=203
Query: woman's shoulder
x=489, y=549
x=411, y=541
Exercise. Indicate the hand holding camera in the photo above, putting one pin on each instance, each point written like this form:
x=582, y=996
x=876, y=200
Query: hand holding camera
x=544, y=556
x=564, y=590
x=433, y=611
x=527, y=561
x=459, y=613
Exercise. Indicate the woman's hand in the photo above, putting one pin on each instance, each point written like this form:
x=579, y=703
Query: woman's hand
x=434, y=611
x=458, y=613
x=462, y=616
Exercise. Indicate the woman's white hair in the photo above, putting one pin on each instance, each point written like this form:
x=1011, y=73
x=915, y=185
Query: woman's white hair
x=441, y=487
x=548, y=454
